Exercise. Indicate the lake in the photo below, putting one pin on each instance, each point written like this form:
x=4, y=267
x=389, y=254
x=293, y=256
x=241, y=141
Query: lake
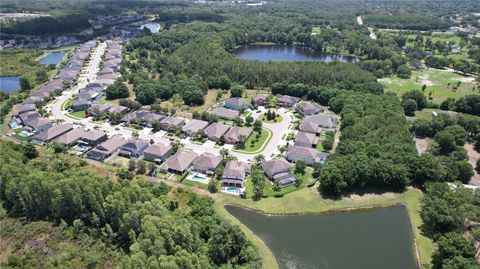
x=9, y=84
x=375, y=238
x=153, y=27
x=290, y=53
x=53, y=57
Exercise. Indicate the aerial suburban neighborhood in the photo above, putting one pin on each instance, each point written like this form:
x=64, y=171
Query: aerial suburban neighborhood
x=240, y=134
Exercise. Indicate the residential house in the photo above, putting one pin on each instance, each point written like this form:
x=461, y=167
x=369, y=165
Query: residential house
x=98, y=109
x=308, y=108
x=179, y=162
x=315, y=124
x=70, y=137
x=28, y=116
x=234, y=174
x=216, y=130
x=80, y=104
x=287, y=100
x=278, y=170
x=148, y=119
x=235, y=103
x=106, y=149
x=26, y=108
x=225, y=113
x=51, y=133
x=260, y=99
x=134, y=148
x=118, y=109
x=158, y=153
x=194, y=126
x=134, y=115
x=207, y=163
x=304, y=139
x=235, y=133
x=39, y=125
x=94, y=137
x=171, y=124
x=308, y=155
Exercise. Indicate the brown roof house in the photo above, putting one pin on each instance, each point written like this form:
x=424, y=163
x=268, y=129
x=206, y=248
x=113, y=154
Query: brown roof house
x=225, y=113
x=287, y=100
x=51, y=133
x=148, y=119
x=308, y=155
x=172, y=124
x=28, y=116
x=235, y=133
x=207, y=163
x=215, y=130
x=307, y=140
x=260, y=99
x=70, y=137
x=134, y=148
x=314, y=124
x=278, y=170
x=39, y=124
x=179, y=162
x=194, y=126
x=94, y=137
x=106, y=149
x=308, y=108
x=234, y=174
x=158, y=153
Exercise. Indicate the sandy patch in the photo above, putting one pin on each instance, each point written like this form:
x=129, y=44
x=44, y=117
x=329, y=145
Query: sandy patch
x=465, y=79
x=425, y=81
x=422, y=144
x=473, y=156
x=366, y=196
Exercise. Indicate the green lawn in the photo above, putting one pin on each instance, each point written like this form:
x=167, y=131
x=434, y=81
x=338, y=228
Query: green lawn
x=79, y=114
x=194, y=183
x=258, y=146
x=278, y=119
x=319, y=146
x=16, y=135
x=437, y=82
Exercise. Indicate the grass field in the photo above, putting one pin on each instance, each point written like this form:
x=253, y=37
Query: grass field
x=259, y=145
x=439, y=82
x=79, y=114
x=278, y=119
x=194, y=183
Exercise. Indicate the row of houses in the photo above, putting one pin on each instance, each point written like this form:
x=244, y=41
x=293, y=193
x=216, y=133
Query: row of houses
x=28, y=116
x=107, y=75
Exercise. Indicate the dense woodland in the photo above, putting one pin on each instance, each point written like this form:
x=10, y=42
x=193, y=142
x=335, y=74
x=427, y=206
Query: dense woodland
x=146, y=227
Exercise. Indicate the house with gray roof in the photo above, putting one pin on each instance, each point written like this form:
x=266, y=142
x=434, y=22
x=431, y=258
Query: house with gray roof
x=39, y=124
x=215, y=130
x=307, y=108
x=235, y=103
x=158, y=153
x=207, y=163
x=279, y=170
x=304, y=139
x=308, y=155
x=70, y=137
x=97, y=109
x=94, y=137
x=106, y=149
x=225, y=113
x=134, y=148
x=29, y=116
x=80, y=104
x=235, y=133
x=287, y=100
x=51, y=133
x=172, y=124
x=148, y=119
x=314, y=124
x=179, y=162
x=137, y=114
x=234, y=174
x=260, y=99
x=26, y=108
x=194, y=126
x=118, y=109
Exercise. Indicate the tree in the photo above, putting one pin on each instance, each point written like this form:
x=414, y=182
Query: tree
x=132, y=165
x=257, y=125
x=116, y=91
x=249, y=120
x=125, y=174
x=141, y=167
x=238, y=121
x=404, y=71
x=452, y=246
x=409, y=106
x=300, y=167
x=224, y=153
x=156, y=126
x=212, y=186
x=25, y=84
x=446, y=142
x=258, y=180
x=152, y=168
x=236, y=91
x=30, y=151
x=42, y=76
x=418, y=96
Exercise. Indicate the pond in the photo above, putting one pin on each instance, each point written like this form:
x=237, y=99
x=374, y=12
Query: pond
x=291, y=53
x=9, y=84
x=153, y=27
x=53, y=57
x=377, y=238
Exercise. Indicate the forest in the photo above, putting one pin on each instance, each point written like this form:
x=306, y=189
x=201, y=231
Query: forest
x=141, y=223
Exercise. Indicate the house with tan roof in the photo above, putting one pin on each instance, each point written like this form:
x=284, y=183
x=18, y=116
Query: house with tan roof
x=51, y=133
x=316, y=123
x=134, y=148
x=307, y=108
x=158, y=153
x=287, y=100
x=172, y=124
x=279, y=170
x=70, y=137
x=308, y=155
x=194, y=126
x=304, y=139
x=235, y=133
x=106, y=149
x=39, y=125
x=260, y=99
x=216, y=130
x=179, y=162
x=94, y=137
x=225, y=113
x=207, y=163
x=234, y=174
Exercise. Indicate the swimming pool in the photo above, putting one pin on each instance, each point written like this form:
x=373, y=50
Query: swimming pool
x=80, y=148
x=232, y=190
x=199, y=178
x=25, y=134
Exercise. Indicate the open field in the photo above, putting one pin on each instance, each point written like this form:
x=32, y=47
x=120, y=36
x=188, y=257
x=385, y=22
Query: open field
x=439, y=83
